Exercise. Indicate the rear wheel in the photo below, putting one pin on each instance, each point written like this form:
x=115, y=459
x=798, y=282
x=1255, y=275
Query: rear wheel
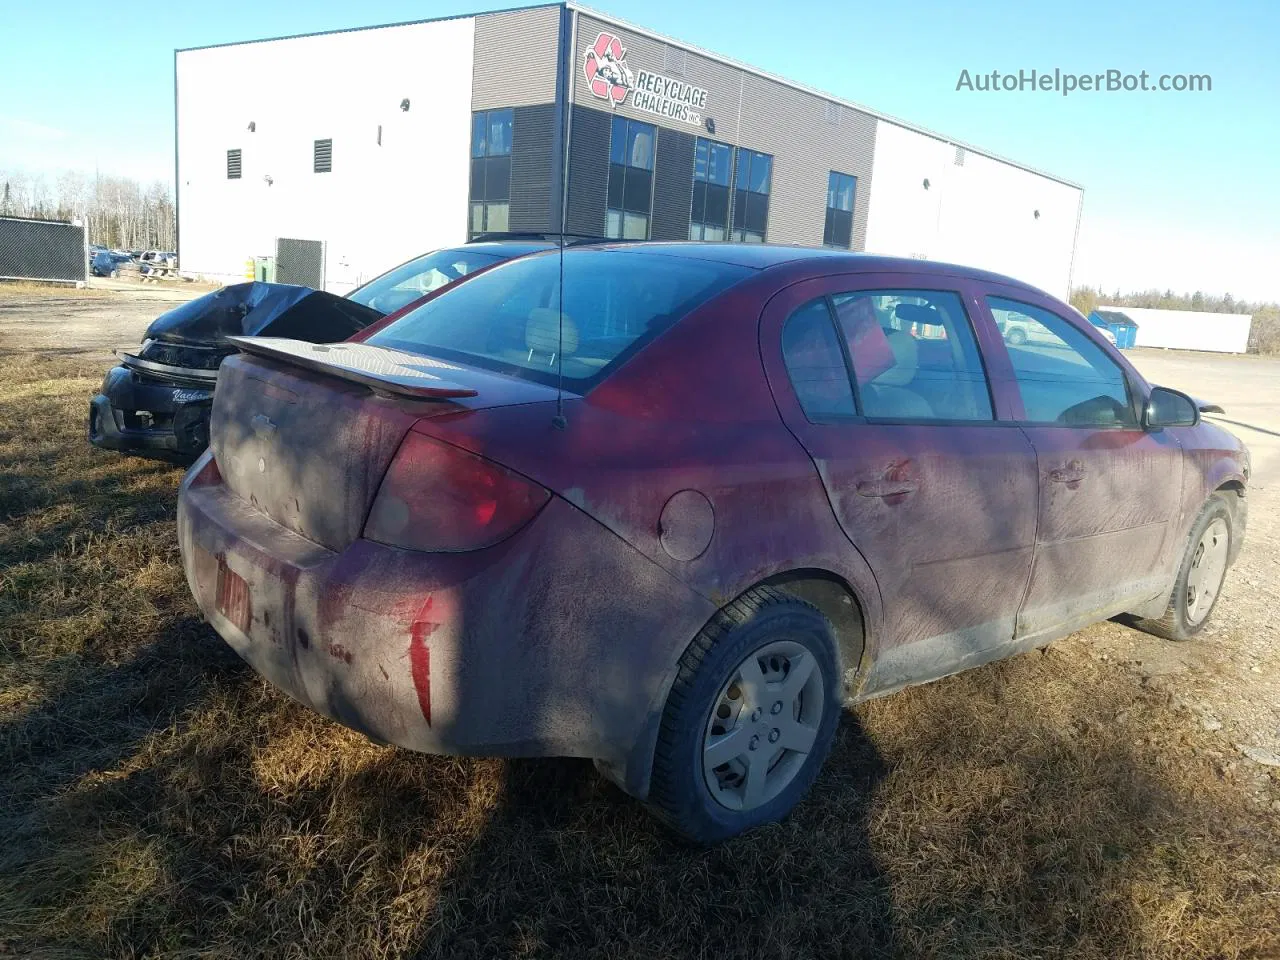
x=1017, y=336
x=750, y=718
x=1200, y=577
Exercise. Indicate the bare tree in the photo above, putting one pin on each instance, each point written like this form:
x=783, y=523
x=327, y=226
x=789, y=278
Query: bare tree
x=117, y=211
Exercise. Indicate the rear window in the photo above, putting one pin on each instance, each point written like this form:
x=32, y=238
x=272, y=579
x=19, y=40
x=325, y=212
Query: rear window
x=509, y=319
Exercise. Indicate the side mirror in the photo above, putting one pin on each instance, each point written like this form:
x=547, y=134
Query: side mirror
x=1169, y=408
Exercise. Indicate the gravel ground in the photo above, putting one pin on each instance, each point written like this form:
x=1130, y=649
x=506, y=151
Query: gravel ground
x=107, y=315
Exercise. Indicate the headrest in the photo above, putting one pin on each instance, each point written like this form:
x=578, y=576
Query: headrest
x=918, y=313
x=868, y=348
x=906, y=356
x=542, y=332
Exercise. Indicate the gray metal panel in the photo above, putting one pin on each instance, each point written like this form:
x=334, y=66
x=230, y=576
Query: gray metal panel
x=588, y=171
x=532, y=141
x=672, y=185
x=300, y=262
x=515, y=58
x=802, y=132
x=807, y=142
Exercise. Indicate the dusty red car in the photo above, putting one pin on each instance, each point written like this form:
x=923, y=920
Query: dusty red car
x=675, y=522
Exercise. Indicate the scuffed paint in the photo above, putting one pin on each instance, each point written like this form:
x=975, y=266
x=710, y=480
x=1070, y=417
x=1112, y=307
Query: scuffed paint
x=339, y=652
x=420, y=657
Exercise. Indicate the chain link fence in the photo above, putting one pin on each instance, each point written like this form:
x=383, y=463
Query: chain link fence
x=41, y=250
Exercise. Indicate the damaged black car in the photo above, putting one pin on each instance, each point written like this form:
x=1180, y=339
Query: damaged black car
x=156, y=402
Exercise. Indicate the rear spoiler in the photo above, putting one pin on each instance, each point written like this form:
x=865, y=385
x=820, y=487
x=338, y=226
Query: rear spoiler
x=382, y=370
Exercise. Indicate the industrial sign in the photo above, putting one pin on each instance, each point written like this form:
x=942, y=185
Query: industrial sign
x=610, y=78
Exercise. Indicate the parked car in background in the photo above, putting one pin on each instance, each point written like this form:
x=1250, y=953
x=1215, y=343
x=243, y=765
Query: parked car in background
x=107, y=263
x=156, y=402
x=669, y=506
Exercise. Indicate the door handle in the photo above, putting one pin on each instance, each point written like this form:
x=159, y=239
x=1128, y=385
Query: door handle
x=885, y=488
x=1072, y=473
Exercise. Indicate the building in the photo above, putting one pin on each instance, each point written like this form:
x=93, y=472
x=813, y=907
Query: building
x=342, y=154
x=1182, y=329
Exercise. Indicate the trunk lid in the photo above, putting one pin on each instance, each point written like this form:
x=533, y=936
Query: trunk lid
x=305, y=436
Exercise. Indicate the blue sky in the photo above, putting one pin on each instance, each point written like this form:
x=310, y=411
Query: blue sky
x=1180, y=189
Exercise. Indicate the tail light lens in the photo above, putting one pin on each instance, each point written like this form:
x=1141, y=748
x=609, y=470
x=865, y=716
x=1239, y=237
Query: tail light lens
x=440, y=498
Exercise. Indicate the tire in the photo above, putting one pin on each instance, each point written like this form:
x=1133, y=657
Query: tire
x=1189, y=607
x=115, y=274
x=717, y=697
x=1017, y=336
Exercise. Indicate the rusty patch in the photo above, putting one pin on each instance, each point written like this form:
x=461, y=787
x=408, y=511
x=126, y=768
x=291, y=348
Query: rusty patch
x=339, y=652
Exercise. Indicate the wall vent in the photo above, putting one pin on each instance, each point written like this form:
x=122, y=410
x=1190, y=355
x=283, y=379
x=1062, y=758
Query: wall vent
x=323, y=156
x=675, y=60
x=233, y=164
x=959, y=156
x=835, y=112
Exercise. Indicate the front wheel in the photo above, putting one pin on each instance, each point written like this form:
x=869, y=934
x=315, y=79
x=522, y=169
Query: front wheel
x=1017, y=337
x=1200, y=576
x=750, y=718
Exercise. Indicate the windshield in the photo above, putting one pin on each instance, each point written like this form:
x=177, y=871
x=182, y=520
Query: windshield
x=406, y=283
x=509, y=319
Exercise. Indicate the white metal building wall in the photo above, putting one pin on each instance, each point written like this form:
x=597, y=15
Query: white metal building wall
x=1189, y=329
x=383, y=202
x=976, y=211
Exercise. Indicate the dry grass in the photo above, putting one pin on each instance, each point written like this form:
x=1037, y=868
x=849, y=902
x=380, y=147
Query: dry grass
x=158, y=800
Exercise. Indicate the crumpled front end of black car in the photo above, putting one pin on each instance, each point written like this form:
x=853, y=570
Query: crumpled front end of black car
x=156, y=403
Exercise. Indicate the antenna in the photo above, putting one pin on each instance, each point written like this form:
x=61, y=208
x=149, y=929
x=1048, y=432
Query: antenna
x=559, y=421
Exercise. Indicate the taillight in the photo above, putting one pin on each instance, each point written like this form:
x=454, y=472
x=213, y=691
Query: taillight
x=441, y=498
x=204, y=472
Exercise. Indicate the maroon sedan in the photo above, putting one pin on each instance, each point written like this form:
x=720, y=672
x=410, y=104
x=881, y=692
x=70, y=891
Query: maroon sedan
x=670, y=506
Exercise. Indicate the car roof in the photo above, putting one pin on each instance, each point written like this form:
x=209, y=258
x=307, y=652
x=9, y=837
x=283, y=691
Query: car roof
x=763, y=256
x=506, y=248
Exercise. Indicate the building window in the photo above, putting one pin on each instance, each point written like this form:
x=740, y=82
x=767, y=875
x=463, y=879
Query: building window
x=838, y=230
x=751, y=196
x=322, y=156
x=709, y=218
x=630, y=180
x=233, y=164
x=491, y=132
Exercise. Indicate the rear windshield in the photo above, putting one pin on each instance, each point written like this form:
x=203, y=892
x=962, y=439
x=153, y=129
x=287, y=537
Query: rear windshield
x=404, y=284
x=509, y=319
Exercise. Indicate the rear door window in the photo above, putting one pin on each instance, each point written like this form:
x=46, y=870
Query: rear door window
x=914, y=355
x=1064, y=377
x=815, y=363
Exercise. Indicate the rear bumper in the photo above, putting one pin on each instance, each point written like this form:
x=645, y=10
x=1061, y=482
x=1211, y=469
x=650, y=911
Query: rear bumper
x=560, y=641
x=177, y=425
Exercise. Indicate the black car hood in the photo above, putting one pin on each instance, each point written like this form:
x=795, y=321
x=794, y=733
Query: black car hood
x=261, y=309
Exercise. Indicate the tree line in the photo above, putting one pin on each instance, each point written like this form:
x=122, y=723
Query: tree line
x=119, y=212
x=1264, y=332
